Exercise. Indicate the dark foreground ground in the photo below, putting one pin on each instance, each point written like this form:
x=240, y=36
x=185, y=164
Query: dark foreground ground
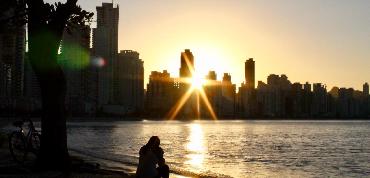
x=80, y=168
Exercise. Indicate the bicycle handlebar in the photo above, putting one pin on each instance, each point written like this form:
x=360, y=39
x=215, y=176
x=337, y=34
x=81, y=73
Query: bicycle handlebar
x=21, y=122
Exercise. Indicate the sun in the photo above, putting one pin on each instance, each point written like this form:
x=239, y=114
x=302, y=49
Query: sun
x=197, y=81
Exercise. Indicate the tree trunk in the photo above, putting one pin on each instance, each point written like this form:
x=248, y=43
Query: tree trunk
x=45, y=34
x=53, y=148
x=43, y=51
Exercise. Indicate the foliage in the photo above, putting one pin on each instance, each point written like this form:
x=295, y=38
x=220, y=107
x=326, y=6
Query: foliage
x=15, y=12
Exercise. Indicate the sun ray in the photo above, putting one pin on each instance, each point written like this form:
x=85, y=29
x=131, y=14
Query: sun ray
x=197, y=85
x=198, y=105
x=180, y=103
x=208, y=104
x=191, y=67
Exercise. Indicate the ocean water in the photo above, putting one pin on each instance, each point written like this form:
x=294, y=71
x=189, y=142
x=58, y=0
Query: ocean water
x=233, y=148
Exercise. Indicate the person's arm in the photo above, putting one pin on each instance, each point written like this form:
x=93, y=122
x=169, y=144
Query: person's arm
x=161, y=160
x=142, y=150
x=159, y=152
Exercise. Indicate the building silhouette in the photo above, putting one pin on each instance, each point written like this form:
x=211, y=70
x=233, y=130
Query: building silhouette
x=250, y=73
x=212, y=76
x=129, y=81
x=246, y=103
x=187, y=64
x=190, y=108
x=162, y=94
x=228, y=97
x=105, y=44
x=365, y=105
x=81, y=75
x=32, y=90
x=365, y=89
x=12, y=50
x=272, y=98
x=319, y=100
x=213, y=91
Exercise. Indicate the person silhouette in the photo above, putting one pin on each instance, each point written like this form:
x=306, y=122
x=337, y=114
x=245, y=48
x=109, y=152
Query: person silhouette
x=151, y=155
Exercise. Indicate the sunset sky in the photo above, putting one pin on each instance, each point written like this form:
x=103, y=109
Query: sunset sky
x=324, y=41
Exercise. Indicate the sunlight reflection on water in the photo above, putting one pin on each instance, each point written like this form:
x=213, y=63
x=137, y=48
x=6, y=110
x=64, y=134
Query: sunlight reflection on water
x=236, y=148
x=195, y=146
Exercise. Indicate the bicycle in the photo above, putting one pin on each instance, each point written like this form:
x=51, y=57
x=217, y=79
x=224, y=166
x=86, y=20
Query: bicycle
x=21, y=143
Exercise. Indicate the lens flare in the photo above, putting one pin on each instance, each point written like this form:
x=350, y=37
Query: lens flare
x=73, y=56
x=98, y=62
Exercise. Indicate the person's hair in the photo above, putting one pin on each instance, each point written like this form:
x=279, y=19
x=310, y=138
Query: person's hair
x=153, y=142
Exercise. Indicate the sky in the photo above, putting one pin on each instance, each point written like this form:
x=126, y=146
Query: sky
x=319, y=41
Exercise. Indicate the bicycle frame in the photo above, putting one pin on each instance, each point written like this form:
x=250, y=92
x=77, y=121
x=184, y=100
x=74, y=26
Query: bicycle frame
x=28, y=136
x=24, y=142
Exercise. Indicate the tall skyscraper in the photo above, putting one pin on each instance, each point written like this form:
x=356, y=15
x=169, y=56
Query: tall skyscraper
x=250, y=73
x=129, y=81
x=307, y=87
x=80, y=74
x=187, y=63
x=228, y=96
x=12, y=49
x=247, y=96
x=365, y=88
x=105, y=44
x=190, y=108
x=32, y=89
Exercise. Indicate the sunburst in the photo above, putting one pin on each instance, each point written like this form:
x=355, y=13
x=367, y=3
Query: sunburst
x=196, y=83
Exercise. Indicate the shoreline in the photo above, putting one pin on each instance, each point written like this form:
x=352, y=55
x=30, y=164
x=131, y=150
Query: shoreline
x=83, y=165
x=80, y=167
x=126, y=118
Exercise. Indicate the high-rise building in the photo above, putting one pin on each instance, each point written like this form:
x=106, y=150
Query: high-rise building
x=365, y=89
x=187, y=63
x=190, y=108
x=213, y=91
x=250, y=73
x=319, y=99
x=346, y=103
x=81, y=75
x=129, y=81
x=4, y=78
x=211, y=75
x=228, y=96
x=274, y=97
x=105, y=44
x=307, y=87
x=32, y=90
x=161, y=94
x=12, y=49
x=246, y=98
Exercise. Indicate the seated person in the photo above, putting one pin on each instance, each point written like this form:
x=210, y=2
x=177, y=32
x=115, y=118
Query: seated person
x=151, y=155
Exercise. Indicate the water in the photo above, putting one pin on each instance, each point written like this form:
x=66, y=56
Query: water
x=235, y=148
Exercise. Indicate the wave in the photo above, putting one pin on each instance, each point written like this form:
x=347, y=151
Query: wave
x=129, y=164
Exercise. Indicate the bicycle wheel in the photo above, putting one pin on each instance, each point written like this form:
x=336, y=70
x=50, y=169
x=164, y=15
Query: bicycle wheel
x=17, y=147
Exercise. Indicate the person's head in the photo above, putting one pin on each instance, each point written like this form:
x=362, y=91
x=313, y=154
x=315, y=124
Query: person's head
x=153, y=142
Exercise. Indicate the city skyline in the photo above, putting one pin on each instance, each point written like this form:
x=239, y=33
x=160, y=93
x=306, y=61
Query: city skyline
x=294, y=41
x=220, y=88
x=102, y=81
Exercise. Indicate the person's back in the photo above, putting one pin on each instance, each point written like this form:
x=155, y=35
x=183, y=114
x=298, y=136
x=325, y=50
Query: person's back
x=151, y=154
x=148, y=161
